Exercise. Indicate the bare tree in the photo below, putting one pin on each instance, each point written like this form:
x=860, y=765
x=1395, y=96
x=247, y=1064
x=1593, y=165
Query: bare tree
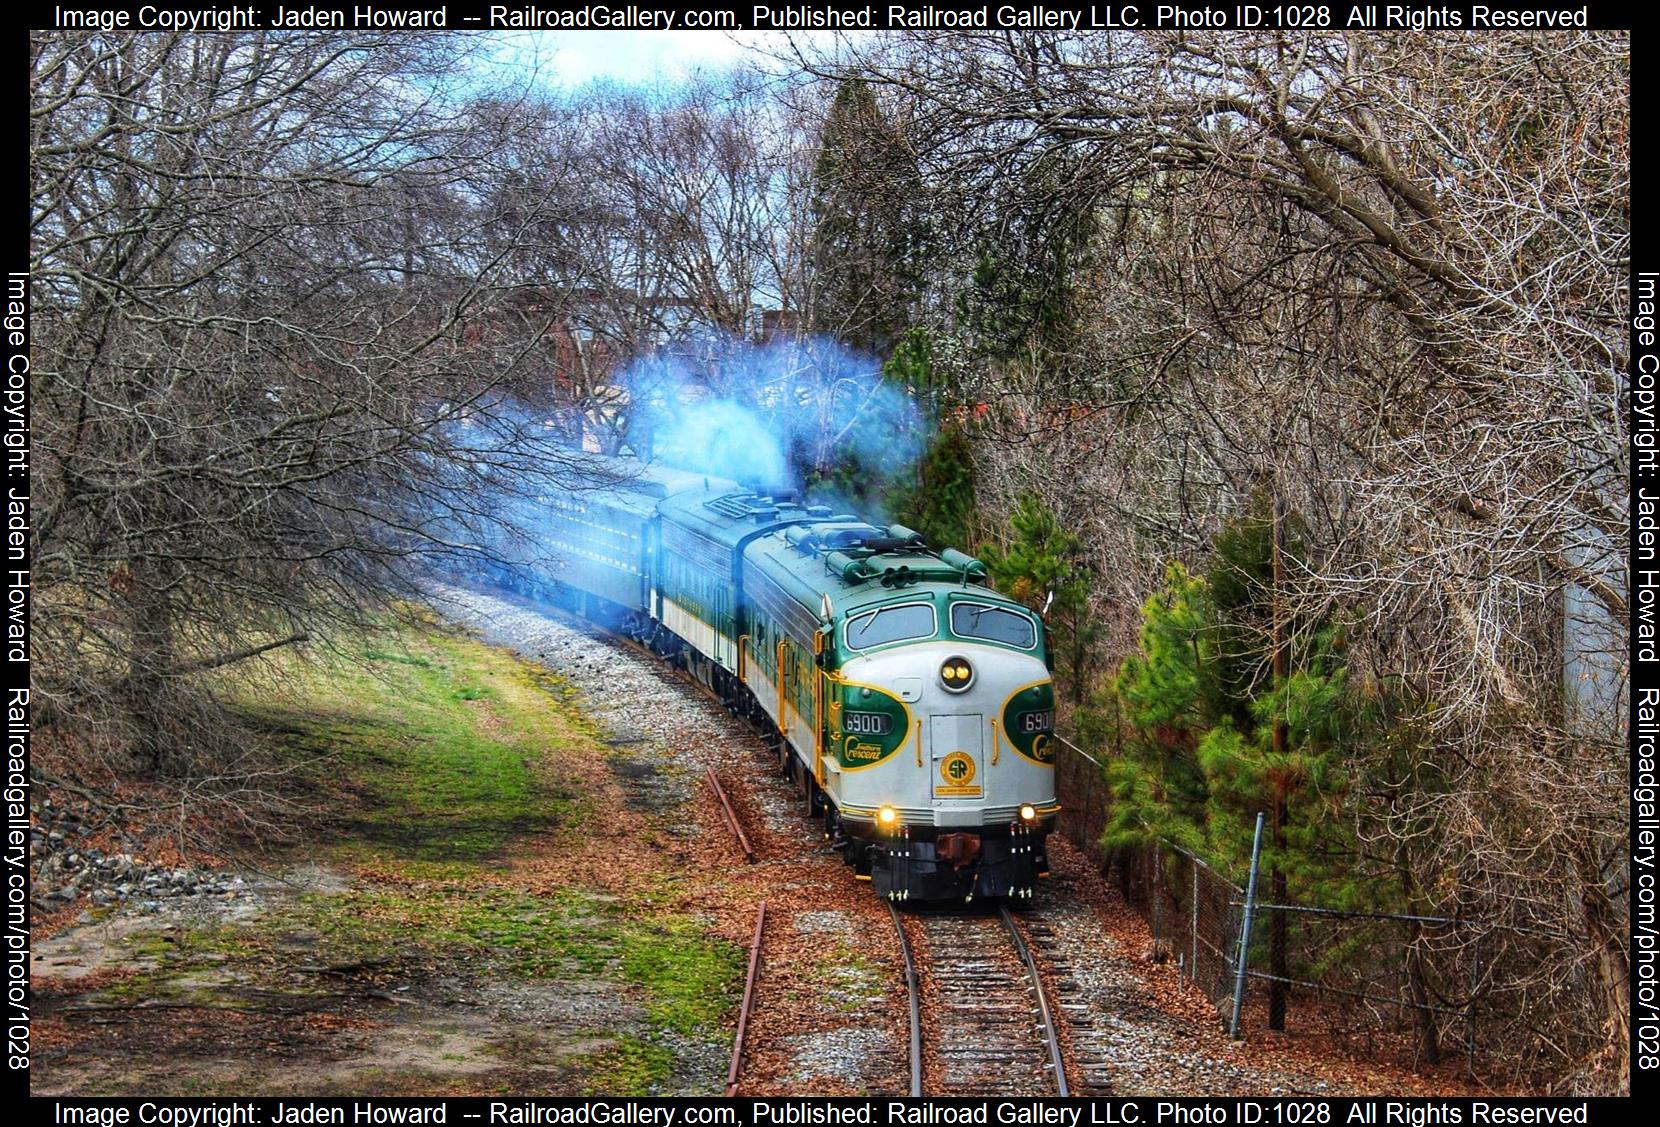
x=1383, y=279
x=268, y=381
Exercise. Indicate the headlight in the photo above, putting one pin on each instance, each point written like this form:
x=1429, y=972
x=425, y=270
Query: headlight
x=1028, y=812
x=956, y=674
x=887, y=817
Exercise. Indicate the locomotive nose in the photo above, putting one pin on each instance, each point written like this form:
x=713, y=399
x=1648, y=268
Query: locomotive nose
x=979, y=720
x=972, y=793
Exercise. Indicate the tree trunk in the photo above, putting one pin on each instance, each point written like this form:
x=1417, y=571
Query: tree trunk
x=1602, y=931
x=1429, y=1036
x=1279, y=963
x=150, y=653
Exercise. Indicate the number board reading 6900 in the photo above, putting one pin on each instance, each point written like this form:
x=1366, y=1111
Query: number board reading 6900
x=867, y=723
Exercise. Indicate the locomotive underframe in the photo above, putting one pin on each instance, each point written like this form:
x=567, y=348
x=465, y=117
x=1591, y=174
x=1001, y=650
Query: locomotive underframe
x=929, y=864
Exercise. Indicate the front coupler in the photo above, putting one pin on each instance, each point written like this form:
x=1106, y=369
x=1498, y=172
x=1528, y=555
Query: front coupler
x=958, y=866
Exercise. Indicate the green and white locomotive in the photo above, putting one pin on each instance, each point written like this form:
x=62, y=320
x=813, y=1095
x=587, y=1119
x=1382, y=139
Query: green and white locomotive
x=909, y=701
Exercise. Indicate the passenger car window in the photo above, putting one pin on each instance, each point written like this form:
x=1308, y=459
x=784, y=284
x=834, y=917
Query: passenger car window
x=890, y=624
x=995, y=624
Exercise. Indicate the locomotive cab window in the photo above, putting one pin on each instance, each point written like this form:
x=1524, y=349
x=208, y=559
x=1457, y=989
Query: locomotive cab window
x=994, y=624
x=890, y=624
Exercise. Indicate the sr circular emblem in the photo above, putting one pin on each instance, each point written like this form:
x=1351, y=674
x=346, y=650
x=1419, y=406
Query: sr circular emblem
x=957, y=769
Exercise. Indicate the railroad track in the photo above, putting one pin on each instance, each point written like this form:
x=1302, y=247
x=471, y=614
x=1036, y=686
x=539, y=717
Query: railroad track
x=913, y=992
x=1093, y=1045
x=994, y=1029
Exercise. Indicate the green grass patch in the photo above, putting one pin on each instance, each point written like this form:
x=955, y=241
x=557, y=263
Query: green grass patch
x=631, y=1067
x=686, y=979
x=850, y=981
x=683, y=979
x=439, y=740
x=440, y=751
x=690, y=977
x=195, y=943
x=156, y=985
x=401, y=658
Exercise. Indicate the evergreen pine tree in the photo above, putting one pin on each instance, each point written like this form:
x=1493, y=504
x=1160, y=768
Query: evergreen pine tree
x=1022, y=296
x=937, y=497
x=1198, y=703
x=1244, y=769
x=1043, y=567
x=868, y=228
x=1161, y=693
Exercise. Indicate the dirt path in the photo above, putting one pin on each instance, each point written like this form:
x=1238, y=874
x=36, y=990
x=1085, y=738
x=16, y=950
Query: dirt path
x=500, y=900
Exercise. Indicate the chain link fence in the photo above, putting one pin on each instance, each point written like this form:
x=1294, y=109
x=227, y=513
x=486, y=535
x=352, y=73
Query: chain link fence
x=1418, y=981
x=1193, y=911
x=1195, y=915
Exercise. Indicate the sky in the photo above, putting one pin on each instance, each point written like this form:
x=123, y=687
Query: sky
x=570, y=59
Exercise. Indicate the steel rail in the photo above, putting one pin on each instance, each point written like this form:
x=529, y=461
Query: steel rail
x=914, y=989
x=731, y=815
x=1050, y=1034
x=748, y=1001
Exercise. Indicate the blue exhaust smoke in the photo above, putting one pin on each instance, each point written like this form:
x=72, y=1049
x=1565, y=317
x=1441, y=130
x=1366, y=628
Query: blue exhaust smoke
x=784, y=414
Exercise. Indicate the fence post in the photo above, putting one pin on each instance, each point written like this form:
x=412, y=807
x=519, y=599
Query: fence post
x=1089, y=800
x=1245, y=931
x=1158, y=892
x=1193, y=966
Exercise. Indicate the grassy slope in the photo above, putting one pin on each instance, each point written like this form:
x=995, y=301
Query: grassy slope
x=444, y=764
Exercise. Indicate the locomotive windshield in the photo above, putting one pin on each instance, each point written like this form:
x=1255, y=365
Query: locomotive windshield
x=995, y=624
x=890, y=624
